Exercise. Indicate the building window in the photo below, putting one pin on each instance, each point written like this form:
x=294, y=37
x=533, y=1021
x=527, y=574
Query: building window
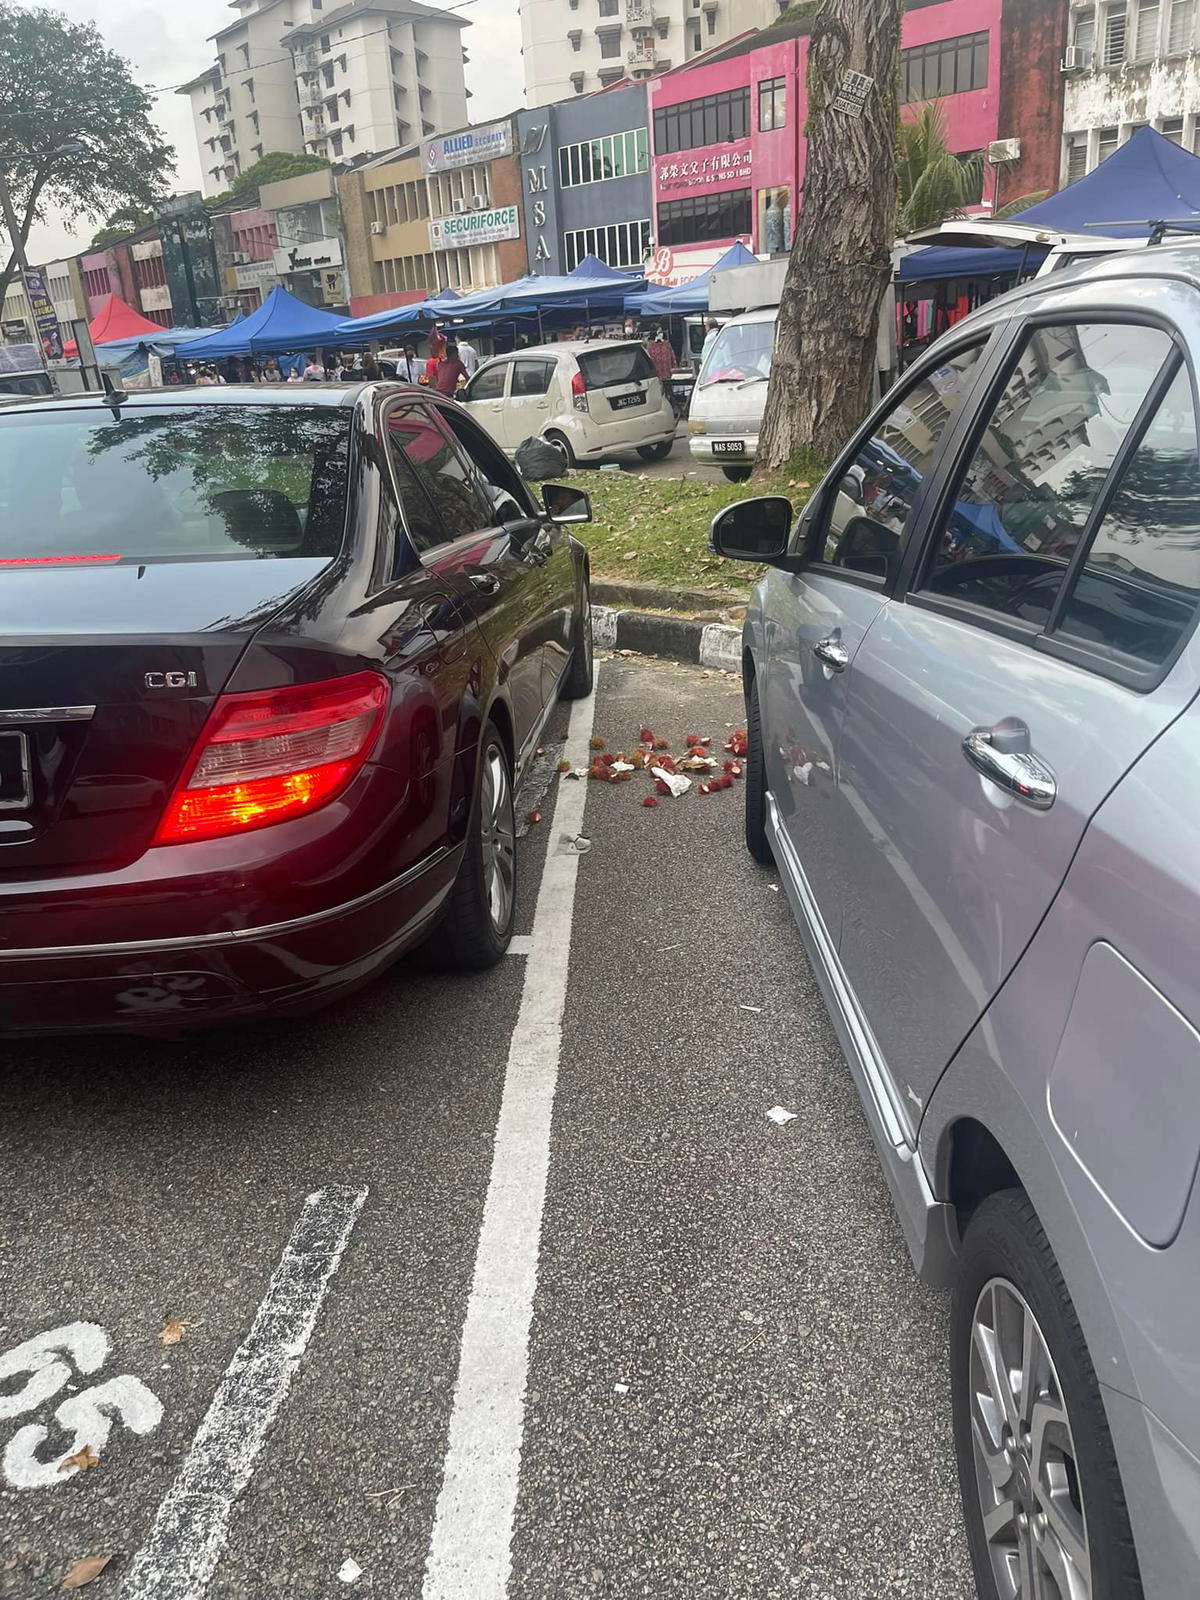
x=948, y=66
x=617, y=155
x=610, y=44
x=607, y=8
x=1114, y=34
x=716, y=119
x=772, y=106
x=324, y=41
x=1181, y=32
x=1077, y=156
x=621, y=244
x=703, y=217
x=710, y=17
x=1083, y=35
x=1145, y=30
x=335, y=143
x=1106, y=142
x=1172, y=129
x=693, y=37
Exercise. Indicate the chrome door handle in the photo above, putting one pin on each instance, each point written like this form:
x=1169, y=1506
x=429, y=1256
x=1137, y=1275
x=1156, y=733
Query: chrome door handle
x=485, y=582
x=833, y=654
x=1017, y=772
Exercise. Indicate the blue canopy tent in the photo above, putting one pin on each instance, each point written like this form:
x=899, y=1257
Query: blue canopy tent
x=687, y=297
x=1146, y=180
x=280, y=325
x=163, y=343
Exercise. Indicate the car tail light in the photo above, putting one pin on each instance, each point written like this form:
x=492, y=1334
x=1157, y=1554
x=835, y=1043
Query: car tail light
x=263, y=758
x=579, y=397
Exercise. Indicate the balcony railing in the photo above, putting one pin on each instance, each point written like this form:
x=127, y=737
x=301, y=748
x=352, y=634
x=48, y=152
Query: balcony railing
x=639, y=13
x=643, y=56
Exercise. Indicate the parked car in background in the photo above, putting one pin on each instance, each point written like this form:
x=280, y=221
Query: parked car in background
x=595, y=400
x=971, y=678
x=274, y=662
x=731, y=394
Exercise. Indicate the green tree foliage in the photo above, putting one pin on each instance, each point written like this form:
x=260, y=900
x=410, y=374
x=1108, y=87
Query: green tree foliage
x=124, y=221
x=274, y=167
x=61, y=86
x=935, y=183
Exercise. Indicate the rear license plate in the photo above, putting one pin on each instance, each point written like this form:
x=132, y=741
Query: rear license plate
x=622, y=402
x=729, y=447
x=16, y=789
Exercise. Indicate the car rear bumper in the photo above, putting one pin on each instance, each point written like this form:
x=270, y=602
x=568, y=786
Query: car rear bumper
x=162, y=985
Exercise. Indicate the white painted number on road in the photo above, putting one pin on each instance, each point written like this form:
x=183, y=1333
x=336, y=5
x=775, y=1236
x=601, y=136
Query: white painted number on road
x=88, y=1417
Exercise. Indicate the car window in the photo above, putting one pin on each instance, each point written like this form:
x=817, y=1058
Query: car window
x=864, y=519
x=1045, y=451
x=609, y=365
x=531, y=377
x=168, y=483
x=488, y=384
x=1138, y=587
x=498, y=481
x=421, y=449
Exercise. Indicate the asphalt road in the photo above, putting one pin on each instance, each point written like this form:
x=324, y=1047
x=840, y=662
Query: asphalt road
x=736, y=1387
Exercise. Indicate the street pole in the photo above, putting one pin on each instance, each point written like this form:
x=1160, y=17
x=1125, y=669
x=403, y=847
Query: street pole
x=10, y=222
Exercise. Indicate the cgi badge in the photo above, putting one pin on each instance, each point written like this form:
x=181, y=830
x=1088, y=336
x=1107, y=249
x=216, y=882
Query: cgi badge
x=170, y=680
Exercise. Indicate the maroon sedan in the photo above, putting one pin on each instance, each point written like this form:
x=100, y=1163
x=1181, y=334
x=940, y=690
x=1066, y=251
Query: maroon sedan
x=273, y=664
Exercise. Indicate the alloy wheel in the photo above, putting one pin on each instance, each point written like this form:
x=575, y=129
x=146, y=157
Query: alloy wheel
x=498, y=837
x=1026, y=1471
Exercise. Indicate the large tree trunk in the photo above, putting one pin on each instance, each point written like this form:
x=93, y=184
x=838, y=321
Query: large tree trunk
x=829, y=315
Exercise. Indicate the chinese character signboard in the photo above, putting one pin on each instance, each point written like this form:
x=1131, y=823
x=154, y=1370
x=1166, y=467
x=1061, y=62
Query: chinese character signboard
x=852, y=93
x=44, y=315
x=468, y=148
x=728, y=167
x=474, y=227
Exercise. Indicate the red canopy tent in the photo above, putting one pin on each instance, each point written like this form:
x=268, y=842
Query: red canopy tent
x=116, y=320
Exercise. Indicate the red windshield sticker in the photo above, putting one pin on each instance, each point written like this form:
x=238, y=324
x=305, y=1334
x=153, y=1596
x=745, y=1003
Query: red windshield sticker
x=57, y=561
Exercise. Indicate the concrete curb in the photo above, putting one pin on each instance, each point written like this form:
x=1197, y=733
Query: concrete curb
x=705, y=644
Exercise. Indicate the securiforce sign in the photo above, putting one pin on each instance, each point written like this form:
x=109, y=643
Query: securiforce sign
x=474, y=227
x=468, y=148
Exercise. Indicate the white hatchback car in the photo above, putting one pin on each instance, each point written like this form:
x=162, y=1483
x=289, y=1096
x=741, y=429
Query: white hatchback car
x=593, y=400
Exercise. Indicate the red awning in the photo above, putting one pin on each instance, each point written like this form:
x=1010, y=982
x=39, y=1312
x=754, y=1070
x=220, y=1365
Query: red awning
x=116, y=320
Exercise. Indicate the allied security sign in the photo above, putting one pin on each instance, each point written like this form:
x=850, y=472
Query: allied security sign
x=467, y=148
x=852, y=93
x=474, y=227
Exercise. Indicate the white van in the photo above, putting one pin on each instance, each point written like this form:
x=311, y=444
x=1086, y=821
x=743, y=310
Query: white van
x=731, y=394
x=592, y=400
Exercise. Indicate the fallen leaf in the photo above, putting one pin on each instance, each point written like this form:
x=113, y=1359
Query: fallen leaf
x=661, y=744
x=83, y=1459
x=646, y=737
x=533, y=816
x=564, y=766
x=650, y=800
x=595, y=744
x=85, y=1571
x=173, y=1330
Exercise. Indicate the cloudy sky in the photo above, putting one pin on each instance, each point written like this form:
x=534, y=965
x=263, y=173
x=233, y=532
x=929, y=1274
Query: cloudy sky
x=166, y=43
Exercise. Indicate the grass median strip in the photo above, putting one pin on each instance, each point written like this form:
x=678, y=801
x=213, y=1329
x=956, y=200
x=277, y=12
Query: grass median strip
x=655, y=530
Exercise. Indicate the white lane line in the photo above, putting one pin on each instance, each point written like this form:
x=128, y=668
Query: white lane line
x=180, y=1556
x=520, y=944
x=469, y=1552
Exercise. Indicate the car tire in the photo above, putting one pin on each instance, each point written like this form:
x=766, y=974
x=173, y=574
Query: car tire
x=477, y=926
x=656, y=452
x=563, y=445
x=737, y=474
x=580, y=675
x=755, y=780
x=1050, y=1484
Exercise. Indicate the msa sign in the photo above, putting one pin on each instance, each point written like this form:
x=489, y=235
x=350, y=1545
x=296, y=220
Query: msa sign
x=474, y=227
x=468, y=148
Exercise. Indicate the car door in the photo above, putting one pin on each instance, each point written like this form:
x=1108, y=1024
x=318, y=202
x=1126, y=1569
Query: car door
x=991, y=709
x=484, y=398
x=545, y=550
x=528, y=400
x=816, y=621
x=476, y=558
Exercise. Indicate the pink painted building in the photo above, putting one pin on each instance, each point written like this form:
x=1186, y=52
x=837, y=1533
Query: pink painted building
x=727, y=131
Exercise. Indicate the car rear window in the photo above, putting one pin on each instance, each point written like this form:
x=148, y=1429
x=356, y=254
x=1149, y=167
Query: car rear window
x=610, y=365
x=173, y=483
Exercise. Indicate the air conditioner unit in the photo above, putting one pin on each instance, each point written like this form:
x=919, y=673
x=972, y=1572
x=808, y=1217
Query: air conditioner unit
x=1076, y=58
x=459, y=206
x=479, y=201
x=1002, y=150
x=378, y=227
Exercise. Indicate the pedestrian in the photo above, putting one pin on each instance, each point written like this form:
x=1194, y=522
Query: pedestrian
x=371, y=370
x=350, y=371
x=712, y=328
x=314, y=372
x=408, y=368
x=449, y=371
x=469, y=357
x=662, y=356
x=272, y=372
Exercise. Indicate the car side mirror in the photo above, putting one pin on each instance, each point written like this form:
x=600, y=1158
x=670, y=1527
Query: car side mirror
x=753, y=530
x=565, y=505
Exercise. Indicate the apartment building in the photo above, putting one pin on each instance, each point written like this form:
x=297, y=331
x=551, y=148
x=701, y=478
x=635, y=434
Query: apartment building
x=572, y=47
x=335, y=80
x=1128, y=64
